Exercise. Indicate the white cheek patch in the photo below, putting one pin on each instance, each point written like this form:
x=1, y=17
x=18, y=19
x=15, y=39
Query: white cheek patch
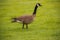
x=37, y=5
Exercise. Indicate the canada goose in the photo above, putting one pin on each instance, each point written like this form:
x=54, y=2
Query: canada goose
x=26, y=19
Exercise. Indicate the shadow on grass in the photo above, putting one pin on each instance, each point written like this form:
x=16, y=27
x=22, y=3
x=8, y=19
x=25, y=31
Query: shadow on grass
x=21, y=30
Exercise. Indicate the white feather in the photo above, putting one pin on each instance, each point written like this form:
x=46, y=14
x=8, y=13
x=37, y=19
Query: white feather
x=18, y=21
x=37, y=5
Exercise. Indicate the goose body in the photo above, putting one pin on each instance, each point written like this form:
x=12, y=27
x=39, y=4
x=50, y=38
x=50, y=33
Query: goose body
x=27, y=19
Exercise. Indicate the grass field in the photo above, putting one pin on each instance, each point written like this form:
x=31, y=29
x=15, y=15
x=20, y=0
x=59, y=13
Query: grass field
x=46, y=25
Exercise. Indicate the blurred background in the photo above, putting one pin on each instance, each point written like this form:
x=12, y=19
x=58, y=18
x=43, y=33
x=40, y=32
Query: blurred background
x=46, y=25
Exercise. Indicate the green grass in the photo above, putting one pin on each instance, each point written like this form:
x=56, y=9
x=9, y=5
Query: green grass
x=46, y=25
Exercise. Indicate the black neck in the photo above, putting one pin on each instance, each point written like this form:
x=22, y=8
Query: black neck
x=34, y=13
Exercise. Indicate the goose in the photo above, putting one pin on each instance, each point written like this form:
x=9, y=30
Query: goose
x=27, y=19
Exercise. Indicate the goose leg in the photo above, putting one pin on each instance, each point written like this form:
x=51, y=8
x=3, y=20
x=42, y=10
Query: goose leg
x=23, y=26
x=26, y=26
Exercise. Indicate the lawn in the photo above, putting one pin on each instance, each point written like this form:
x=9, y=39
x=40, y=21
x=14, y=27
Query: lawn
x=46, y=25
